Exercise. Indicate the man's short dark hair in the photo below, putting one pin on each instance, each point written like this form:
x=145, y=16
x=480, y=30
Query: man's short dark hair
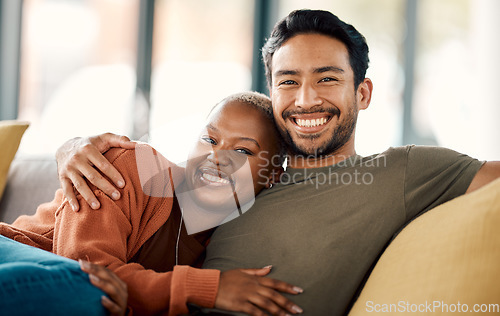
x=318, y=22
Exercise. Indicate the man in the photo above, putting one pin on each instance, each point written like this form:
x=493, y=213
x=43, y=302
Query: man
x=333, y=213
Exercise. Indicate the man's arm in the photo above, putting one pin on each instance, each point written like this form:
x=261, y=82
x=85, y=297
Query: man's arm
x=488, y=172
x=80, y=158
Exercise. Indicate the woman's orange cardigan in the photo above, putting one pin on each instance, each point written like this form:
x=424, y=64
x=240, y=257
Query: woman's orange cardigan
x=112, y=235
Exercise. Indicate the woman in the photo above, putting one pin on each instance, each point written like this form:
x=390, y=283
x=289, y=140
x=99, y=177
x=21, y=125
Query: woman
x=142, y=237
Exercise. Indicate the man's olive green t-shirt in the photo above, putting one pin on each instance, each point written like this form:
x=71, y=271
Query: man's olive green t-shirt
x=322, y=229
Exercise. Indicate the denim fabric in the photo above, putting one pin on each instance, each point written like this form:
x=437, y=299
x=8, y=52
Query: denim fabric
x=37, y=282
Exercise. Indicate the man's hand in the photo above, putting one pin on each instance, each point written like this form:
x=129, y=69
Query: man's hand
x=79, y=158
x=115, y=289
x=248, y=291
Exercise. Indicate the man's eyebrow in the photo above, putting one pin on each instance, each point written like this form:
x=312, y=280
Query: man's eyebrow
x=328, y=68
x=316, y=70
x=285, y=72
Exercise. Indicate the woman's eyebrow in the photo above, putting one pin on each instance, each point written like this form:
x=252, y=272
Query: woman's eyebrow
x=210, y=126
x=251, y=140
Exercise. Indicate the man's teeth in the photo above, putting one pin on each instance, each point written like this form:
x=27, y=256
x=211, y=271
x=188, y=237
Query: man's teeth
x=311, y=123
x=215, y=179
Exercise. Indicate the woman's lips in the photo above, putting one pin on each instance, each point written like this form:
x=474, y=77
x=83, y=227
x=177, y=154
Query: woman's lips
x=213, y=177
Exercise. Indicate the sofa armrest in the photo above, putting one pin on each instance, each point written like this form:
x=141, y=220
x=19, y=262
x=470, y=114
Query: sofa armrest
x=446, y=257
x=32, y=180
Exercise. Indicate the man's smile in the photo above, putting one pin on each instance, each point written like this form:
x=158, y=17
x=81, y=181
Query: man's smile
x=310, y=122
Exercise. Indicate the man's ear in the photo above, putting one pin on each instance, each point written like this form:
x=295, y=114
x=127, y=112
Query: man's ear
x=364, y=94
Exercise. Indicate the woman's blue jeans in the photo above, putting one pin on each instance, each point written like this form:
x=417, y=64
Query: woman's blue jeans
x=37, y=282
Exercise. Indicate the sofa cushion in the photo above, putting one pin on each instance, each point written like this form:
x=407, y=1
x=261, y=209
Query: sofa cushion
x=447, y=259
x=10, y=137
x=32, y=180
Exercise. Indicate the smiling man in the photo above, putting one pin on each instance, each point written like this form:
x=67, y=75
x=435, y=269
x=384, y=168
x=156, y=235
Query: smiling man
x=334, y=212
x=326, y=223
x=315, y=99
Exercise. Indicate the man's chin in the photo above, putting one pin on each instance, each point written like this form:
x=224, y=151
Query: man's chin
x=308, y=148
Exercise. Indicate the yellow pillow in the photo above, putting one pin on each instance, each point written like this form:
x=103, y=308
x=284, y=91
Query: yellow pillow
x=445, y=261
x=11, y=133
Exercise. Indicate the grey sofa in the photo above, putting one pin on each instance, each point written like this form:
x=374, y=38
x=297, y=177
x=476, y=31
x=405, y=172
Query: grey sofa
x=32, y=180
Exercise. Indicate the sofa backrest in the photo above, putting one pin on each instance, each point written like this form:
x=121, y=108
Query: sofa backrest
x=32, y=180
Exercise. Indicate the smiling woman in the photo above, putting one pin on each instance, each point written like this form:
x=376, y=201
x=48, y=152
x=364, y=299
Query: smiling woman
x=154, y=236
x=225, y=166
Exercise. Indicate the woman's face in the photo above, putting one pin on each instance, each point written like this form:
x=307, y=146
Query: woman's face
x=232, y=160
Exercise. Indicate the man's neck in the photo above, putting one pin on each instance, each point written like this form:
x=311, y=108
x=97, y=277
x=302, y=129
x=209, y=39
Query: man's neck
x=308, y=162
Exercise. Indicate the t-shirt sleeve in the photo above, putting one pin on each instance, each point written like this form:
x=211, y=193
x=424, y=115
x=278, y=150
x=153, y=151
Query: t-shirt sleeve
x=435, y=175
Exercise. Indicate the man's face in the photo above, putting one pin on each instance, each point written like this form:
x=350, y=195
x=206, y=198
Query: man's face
x=313, y=94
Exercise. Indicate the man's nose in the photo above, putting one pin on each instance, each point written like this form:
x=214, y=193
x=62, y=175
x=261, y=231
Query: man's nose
x=307, y=97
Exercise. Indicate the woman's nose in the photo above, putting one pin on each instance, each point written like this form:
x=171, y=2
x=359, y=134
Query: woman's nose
x=219, y=157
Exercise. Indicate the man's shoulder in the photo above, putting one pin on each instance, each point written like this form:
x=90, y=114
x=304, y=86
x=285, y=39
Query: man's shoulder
x=390, y=154
x=416, y=151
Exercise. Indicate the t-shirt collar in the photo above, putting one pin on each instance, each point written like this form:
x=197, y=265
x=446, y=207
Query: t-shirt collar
x=303, y=174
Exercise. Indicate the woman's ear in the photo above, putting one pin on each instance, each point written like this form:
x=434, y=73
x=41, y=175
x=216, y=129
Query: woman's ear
x=275, y=176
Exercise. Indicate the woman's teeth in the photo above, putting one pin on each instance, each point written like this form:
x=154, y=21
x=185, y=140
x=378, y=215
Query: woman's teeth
x=214, y=179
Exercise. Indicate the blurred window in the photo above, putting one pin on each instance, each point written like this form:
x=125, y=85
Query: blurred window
x=202, y=52
x=77, y=69
x=457, y=69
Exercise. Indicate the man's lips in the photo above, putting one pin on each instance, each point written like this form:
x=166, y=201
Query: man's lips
x=310, y=123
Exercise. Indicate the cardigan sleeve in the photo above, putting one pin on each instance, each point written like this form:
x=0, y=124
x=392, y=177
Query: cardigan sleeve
x=35, y=230
x=111, y=235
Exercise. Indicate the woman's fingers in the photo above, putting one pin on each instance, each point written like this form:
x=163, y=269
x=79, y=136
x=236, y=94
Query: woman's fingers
x=272, y=299
x=109, y=283
x=280, y=286
x=112, y=307
x=246, y=291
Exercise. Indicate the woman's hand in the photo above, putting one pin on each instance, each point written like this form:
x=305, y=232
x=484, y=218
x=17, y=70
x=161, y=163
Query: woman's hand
x=80, y=158
x=248, y=291
x=116, y=290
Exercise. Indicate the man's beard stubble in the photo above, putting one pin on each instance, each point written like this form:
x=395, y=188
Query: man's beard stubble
x=340, y=136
